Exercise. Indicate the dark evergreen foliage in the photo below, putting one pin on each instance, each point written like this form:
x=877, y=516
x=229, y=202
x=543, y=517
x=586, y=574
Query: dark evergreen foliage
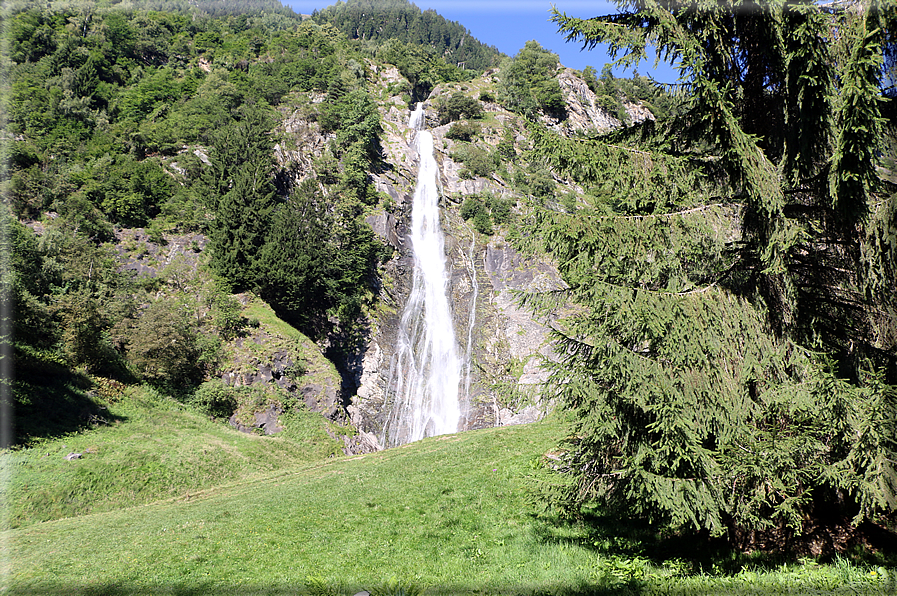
x=731, y=377
x=402, y=20
x=297, y=262
x=242, y=196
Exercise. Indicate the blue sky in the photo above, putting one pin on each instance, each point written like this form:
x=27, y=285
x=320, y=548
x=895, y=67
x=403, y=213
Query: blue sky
x=508, y=24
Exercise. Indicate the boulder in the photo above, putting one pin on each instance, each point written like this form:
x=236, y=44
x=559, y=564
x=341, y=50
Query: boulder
x=266, y=421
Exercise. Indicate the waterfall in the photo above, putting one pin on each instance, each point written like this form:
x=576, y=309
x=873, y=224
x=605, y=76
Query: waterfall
x=425, y=373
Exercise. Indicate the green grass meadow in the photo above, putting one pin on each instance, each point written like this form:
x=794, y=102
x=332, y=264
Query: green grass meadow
x=169, y=502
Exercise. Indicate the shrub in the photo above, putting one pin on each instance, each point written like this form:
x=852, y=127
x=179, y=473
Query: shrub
x=542, y=185
x=568, y=201
x=477, y=162
x=471, y=207
x=483, y=223
x=500, y=209
x=613, y=105
x=83, y=216
x=214, y=398
x=505, y=147
x=154, y=233
x=162, y=344
x=463, y=131
x=456, y=107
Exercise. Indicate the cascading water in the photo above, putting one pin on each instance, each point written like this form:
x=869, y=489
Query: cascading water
x=425, y=374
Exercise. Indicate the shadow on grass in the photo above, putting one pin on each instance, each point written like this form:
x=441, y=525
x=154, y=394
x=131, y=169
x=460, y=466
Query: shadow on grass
x=51, y=400
x=615, y=535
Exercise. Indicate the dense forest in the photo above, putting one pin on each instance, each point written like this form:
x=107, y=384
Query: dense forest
x=400, y=19
x=730, y=364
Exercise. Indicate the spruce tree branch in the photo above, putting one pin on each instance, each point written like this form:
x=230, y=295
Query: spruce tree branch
x=700, y=290
x=671, y=214
x=629, y=149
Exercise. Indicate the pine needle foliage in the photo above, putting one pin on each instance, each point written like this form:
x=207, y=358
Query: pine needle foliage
x=725, y=341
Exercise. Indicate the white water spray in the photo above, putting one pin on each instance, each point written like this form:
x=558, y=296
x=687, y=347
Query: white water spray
x=425, y=374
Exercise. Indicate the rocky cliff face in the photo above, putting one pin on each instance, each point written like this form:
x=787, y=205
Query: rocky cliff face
x=505, y=343
x=583, y=111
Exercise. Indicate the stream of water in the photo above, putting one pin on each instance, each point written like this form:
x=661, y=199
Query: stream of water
x=426, y=370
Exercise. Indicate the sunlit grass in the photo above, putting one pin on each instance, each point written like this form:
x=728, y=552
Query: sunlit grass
x=445, y=515
x=156, y=448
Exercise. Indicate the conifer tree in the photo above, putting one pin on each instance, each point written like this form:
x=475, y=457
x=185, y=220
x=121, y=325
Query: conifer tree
x=733, y=338
x=297, y=260
x=241, y=193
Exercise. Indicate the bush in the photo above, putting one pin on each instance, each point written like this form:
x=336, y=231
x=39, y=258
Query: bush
x=542, y=185
x=505, y=147
x=155, y=234
x=162, y=344
x=471, y=207
x=83, y=216
x=463, y=131
x=477, y=162
x=483, y=223
x=614, y=106
x=500, y=209
x=214, y=398
x=456, y=107
x=568, y=201
x=227, y=316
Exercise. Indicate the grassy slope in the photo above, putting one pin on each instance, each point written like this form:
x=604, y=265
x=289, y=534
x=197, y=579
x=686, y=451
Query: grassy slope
x=447, y=513
x=156, y=449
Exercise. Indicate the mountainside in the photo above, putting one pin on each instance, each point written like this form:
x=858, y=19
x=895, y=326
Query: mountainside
x=165, y=166
x=216, y=211
x=213, y=8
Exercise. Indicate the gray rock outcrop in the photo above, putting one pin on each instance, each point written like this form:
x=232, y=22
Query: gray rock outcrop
x=583, y=110
x=507, y=344
x=265, y=421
